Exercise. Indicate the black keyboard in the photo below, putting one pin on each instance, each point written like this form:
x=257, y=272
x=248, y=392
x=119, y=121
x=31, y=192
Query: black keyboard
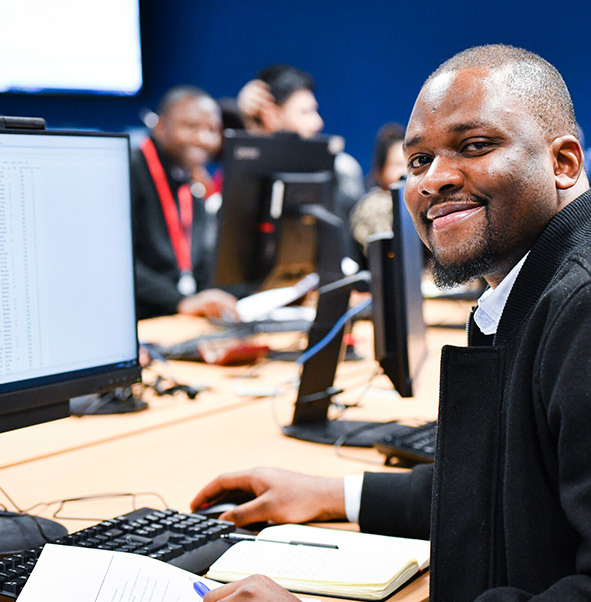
x=187, y=350
x=189, y=541
x=416, y=445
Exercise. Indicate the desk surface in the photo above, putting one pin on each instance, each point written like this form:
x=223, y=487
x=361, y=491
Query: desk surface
x=177, y=445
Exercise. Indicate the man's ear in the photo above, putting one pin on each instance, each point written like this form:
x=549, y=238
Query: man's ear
x=567, y=157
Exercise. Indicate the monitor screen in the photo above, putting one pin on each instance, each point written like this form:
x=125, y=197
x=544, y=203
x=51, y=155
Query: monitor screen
x=277, y=219
x=67, y=324
x=395, y=263
x=71, y=46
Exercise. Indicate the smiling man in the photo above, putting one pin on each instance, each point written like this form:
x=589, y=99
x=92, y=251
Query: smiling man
x=485, y=151
x=174, y=231
x=497, y=190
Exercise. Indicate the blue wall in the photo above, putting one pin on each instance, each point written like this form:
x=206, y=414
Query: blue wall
x=369, y=57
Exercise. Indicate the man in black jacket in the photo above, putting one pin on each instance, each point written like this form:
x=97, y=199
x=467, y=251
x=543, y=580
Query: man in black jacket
x=174, y=204
x=496, y=189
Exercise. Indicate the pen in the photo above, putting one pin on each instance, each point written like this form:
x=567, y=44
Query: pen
x=235, y=537
x=200, y=588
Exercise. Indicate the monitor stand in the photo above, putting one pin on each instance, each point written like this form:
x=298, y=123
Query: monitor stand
x=20, y=532
x=117, y=401
x=310, y=419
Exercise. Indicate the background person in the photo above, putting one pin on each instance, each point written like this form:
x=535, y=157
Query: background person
x=373, y=213
x=174, y=202
x=282, y=99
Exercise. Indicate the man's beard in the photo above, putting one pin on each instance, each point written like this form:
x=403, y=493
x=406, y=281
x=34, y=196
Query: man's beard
x=447, y=276
x=460, y=273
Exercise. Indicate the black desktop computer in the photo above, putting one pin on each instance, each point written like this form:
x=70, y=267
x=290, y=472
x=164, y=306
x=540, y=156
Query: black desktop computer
x=278, y=221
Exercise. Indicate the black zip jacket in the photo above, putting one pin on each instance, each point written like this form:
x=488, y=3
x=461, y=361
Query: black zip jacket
x=508, y=501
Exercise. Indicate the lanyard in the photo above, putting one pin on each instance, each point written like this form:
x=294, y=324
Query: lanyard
x=178, y=222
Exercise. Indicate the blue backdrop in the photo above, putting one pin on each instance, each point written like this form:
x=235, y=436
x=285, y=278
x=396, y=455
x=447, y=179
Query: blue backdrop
x=369, y=57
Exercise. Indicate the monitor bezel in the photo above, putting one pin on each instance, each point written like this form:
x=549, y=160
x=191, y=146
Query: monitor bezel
x=33, y=401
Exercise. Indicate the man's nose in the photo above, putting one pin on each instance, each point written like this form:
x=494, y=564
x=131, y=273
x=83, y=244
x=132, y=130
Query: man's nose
x=443, y=175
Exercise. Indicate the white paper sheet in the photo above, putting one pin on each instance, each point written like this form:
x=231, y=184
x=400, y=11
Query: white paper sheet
x=262, y=305
x=70, y=574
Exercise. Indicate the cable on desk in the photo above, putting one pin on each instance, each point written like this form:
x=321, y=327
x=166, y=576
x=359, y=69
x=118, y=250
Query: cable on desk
x=97, y=496
x=365, y=387
x=353, y=311
x=25, y=512
x=155, y=355
x=338, y=444
x=159, y=385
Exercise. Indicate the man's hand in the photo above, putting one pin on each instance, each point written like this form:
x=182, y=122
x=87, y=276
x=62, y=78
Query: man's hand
x=281, y=497
x=211, y=303
x=252, y=99
x=255, y=587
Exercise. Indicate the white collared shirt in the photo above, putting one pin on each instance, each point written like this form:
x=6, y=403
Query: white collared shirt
x=487, y=317
x=492, y=302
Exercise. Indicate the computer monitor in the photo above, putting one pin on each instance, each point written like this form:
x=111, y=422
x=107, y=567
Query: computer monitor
x=59, y=50
x=67, y=307
x=67, y=323
x=278, y=220
x=395, y=263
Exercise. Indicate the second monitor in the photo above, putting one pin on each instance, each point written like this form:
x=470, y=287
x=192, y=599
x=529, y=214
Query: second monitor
x=279, y=217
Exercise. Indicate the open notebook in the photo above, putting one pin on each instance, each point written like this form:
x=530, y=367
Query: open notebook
x=362, y=566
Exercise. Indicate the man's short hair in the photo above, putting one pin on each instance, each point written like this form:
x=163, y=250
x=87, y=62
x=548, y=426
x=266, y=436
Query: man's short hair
x=530, y=77
x=178, y=94
x=284, y=80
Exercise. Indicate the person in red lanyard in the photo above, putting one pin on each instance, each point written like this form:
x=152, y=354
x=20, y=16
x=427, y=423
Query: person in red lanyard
x=174, y=204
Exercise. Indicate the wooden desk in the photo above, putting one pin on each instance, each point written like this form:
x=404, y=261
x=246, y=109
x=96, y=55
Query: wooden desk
x=177, y=445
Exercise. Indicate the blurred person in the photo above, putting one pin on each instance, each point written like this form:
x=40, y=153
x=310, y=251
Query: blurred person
x=373, y=212
x=174, y=201
x=282, y=99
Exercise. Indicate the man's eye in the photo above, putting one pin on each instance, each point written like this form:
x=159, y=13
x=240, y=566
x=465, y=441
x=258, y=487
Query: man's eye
x=418, y=161
x=477, y=145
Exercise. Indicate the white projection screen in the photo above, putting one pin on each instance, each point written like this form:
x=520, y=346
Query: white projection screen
x=86, y=46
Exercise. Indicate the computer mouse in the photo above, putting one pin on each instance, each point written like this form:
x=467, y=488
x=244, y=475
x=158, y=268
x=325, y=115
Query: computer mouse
x=228, y=501
x=20, y=532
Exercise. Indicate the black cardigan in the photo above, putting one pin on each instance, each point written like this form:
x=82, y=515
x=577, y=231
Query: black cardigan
x=509, y=500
